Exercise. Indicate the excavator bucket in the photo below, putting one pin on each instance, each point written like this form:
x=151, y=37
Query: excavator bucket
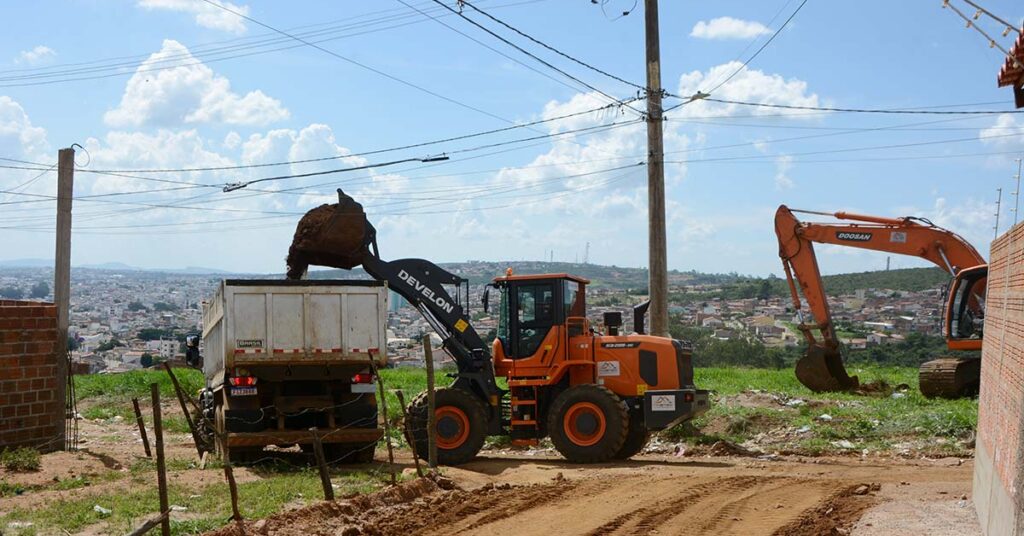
x=821, y=370
x=336, y=235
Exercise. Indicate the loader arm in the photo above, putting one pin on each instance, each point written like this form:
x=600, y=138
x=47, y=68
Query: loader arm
x=822, y=369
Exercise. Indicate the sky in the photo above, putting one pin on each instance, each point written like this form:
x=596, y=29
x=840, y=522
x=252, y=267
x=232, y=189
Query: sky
x=177, y=84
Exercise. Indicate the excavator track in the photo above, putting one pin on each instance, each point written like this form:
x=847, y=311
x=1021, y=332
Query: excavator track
x=950, y=377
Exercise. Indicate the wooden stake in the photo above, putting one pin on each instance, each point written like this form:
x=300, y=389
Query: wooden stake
x=184, y=409
x=387, y=423
x=229, y=474
x=161, y=469
x=142, y=427
x=428, y=355
x=408, y=437
x=149, y=525
x=325, y=477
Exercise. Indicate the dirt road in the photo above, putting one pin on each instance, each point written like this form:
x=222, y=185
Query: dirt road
x=525, y=495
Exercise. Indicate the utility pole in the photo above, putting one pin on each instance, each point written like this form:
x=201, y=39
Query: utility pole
x=1016, y=193
x=999, y=202
x=62, y=276
x=657, y=265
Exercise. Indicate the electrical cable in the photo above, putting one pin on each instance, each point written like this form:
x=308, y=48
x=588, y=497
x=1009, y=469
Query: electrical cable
x=551, y=48
x=529, y=54
x=863, y=110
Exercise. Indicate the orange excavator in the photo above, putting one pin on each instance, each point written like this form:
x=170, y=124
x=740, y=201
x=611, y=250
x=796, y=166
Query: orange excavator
x=821, y=369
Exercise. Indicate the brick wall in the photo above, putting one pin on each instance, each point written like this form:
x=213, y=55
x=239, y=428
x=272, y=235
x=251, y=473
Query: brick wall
x=31, y=411
x=999, y=461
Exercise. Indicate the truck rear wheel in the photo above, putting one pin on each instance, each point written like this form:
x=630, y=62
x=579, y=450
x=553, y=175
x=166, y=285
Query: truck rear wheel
x=588, y=424
x=461, y=427
x=637, y=436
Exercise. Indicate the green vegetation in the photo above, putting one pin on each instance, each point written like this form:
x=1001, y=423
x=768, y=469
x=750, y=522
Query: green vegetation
x=165, y=307
x=39, y=290
x=137, y=306
x=12, y=293
x=20, y=459
x=206, y=508
x=879, y=423
x=109, y=345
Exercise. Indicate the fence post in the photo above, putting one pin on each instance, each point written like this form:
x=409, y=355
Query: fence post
x=387, y=423
x=142, y=427
x=321, y=461
x=184, y=409
x=161, y=469
x=409, y=437
x=428, y=355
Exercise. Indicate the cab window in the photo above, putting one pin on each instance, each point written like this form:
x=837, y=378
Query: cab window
x=535, y=312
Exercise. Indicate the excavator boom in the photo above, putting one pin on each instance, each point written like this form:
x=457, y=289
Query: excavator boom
x=822, y=368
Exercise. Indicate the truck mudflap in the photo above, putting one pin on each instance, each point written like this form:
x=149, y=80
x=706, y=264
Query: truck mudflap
x=667, y=408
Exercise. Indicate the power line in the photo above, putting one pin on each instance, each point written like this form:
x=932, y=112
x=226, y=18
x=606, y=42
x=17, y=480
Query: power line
x=359, y=64
x=230, y=187
x=864, y=110
x=527, y=53
x=759, y=50
x=1009, y=27
x=970, y=24
x=553, y=49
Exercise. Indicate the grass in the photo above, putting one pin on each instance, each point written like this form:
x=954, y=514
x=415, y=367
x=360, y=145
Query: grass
x=871, y=422
x=206, y=508
x=20, y=459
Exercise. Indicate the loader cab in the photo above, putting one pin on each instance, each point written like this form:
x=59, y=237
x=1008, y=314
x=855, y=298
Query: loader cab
x=536, y=310
x=965, y=309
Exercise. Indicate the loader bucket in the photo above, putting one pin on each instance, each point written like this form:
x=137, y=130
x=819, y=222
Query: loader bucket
x=335, y=235
x=822, y=370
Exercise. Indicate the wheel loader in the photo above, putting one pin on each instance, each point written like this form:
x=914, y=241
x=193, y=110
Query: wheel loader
x=597, y=394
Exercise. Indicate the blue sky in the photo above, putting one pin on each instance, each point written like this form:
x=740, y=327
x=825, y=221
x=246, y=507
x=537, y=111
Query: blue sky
x=162, y=90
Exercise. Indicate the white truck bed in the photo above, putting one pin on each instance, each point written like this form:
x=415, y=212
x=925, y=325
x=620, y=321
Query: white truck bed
x=294, y=323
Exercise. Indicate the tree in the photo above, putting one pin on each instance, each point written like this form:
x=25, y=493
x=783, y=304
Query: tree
x=11, y=293
x=109, y=345
x=137, y=306
x=165, y=307
x=73, y=343
x=40, y=290
x=146, y=360
x=154, y=334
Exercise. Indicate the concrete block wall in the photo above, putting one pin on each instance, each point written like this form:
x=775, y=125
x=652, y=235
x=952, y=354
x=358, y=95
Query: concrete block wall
x=999, y=460
x=31, y=413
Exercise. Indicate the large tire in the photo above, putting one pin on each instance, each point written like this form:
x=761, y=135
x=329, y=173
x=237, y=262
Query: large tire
x=637, y=436
x=461, y=425
x=588, y=424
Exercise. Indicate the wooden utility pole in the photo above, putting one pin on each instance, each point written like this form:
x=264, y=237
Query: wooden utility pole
x=62, y=278
x=657, y=250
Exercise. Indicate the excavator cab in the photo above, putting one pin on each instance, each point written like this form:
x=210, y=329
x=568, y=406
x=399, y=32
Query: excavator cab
x=535, y=312
x=965, y=309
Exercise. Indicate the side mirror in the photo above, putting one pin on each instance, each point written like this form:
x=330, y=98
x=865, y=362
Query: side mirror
x=192, y=356
x=486, y=298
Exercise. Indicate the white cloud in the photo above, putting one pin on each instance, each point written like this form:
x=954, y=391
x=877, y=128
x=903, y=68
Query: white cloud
x=207, y=16
x=750, y=85
x=17, y=134
x=188, y=94
x=783, y=164
x=37, y=55
x=1007, y=132
x=728, y=28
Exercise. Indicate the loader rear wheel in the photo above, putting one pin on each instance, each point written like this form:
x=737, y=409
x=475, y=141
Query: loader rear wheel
x=637, y=436
x=461, y=425
x=588, y=424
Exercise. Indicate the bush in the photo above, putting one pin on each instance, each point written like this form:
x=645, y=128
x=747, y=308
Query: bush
x=20, y=459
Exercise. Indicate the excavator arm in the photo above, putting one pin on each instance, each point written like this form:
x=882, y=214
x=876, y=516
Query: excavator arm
x=822, y=368
x=340, y=236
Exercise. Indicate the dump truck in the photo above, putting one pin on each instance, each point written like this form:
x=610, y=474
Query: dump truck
x=595, y=390
x=282, y=357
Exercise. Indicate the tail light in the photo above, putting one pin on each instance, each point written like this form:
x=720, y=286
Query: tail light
x=362, y=377
x=241, y=378
x=687, y=397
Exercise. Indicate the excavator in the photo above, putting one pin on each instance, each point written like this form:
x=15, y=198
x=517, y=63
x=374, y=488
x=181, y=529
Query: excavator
x=821, y=368
x=596, y=395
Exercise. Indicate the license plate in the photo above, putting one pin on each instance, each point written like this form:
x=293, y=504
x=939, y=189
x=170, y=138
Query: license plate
x=243, y=391
x=364, y=388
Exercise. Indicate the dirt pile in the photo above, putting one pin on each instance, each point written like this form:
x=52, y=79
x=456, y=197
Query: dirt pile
x=836, y=515
x=334, y=235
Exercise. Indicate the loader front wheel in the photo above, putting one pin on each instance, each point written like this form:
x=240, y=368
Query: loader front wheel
x=588, y=424
x=460, y=425
x=636, y=437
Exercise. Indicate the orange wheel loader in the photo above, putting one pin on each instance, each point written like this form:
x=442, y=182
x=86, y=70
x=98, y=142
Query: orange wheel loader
x=596, y=395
